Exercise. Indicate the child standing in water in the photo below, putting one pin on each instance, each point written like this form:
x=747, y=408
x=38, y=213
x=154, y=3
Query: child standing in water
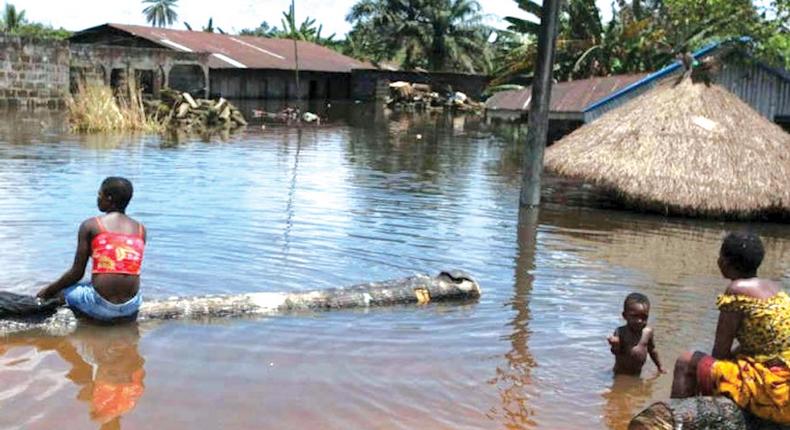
x=633, y=342
x=115, y=242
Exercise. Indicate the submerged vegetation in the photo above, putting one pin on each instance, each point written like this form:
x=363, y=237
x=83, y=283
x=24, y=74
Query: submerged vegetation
x=97, y=108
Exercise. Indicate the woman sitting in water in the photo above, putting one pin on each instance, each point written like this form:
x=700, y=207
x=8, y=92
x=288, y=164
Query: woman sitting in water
x=115, y=242
x=756, y=312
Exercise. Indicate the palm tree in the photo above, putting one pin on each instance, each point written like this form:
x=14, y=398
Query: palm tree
x=160, y=13
x=11, y=18
x=437, y=34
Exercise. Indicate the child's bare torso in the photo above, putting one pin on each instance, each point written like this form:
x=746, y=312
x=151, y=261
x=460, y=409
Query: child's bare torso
x=631, y=350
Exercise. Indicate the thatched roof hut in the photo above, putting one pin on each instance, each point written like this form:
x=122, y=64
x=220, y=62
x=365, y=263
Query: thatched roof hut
x=685, y=149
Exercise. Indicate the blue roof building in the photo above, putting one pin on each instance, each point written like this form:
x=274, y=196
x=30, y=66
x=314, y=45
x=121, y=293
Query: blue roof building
x=766, y=89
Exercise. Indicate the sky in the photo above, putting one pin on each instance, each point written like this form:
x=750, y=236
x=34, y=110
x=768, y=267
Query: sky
x=230, y=15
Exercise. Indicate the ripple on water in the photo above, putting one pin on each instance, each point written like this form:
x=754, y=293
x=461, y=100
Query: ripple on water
x=357, y=200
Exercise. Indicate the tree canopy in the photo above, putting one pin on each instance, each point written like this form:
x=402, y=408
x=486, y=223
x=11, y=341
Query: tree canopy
x=160, y=13
x=306, y=30
x=438, y=35
x=14, y=22
x=642, y=35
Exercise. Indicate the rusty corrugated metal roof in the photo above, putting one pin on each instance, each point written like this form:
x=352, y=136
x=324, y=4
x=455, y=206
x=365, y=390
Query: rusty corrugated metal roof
x=571, y=96
x=511, y=99
x=229, y=51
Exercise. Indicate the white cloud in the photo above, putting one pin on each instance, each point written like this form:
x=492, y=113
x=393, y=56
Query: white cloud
x=230, y=15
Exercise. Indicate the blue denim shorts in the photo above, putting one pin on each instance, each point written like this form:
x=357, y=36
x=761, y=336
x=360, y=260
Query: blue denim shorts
x=84, y=298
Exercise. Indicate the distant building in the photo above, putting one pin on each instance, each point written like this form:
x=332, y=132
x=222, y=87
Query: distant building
x=569, y=100
x=216, y=64
x=766, y=89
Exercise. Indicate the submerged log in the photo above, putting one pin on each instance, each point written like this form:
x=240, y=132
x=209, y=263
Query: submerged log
x=699, y=413
x=418, y=289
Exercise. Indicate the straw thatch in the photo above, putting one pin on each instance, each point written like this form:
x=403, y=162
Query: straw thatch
x=685, y=149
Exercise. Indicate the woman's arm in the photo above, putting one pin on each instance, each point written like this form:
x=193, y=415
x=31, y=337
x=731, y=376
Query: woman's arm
x=725, y=334
x=77, y=270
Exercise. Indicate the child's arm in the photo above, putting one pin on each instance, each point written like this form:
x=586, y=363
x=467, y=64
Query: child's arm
x=614, y=342
x=77, y=270
x=651, y=349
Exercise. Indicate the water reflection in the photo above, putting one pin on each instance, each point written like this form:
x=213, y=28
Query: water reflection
x=104, y=363
x=289, y=209
x=389, y=195
x=513, y=379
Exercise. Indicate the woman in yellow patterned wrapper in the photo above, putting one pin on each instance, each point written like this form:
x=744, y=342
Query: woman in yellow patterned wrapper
x=756, y=313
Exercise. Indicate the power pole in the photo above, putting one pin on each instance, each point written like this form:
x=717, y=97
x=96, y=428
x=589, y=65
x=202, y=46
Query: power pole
x=296, y=49
x=538, y=126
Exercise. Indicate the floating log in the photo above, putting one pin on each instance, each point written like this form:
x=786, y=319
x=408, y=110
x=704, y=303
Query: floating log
x=699, y=413
x=418, y=289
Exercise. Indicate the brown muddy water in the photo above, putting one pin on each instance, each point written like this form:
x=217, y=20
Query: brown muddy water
x=371, y=195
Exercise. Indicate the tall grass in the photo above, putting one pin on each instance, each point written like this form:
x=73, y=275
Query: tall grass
x=96, y=108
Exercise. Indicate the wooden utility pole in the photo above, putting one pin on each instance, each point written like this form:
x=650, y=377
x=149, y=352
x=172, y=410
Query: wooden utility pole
x=538, y=126
x=296, y=49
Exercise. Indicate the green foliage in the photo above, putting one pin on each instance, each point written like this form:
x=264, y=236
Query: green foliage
x=40, y=31
x=14, y=22
x=777, y=50
x=514, y=57
x=11, y=18
x=436, y=35
x=643, y=35
x=160, y=13
x=306, y=30
x=263, y=30
x=210, y=27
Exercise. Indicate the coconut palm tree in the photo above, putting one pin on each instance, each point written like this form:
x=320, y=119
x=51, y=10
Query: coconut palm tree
x=160, y=13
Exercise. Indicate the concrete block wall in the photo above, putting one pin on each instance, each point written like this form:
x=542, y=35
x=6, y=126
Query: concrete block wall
x=185, y=71
x=278, y=84
x=33, y=73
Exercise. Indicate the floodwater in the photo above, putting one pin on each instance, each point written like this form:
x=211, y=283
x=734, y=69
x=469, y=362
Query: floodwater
x=369, y=195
